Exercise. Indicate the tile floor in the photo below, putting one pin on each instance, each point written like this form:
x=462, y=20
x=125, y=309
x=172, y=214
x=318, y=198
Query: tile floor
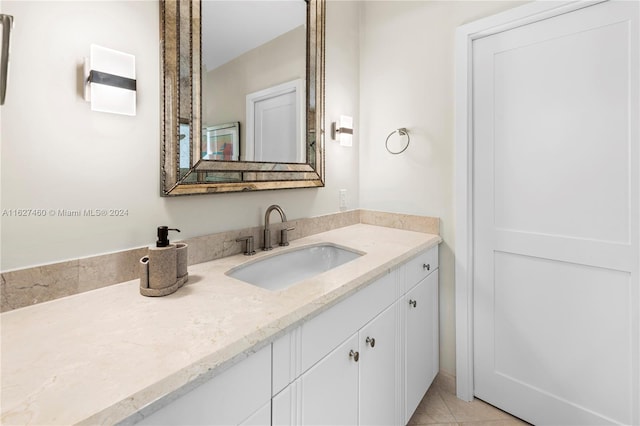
x=441, y=407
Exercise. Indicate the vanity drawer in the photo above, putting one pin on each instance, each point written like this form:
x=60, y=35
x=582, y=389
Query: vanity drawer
x=420, y=267
x=326, y=331
x=304, y=346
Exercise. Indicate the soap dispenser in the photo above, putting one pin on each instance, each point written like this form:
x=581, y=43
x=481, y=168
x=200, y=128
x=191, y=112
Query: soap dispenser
x=159, y=274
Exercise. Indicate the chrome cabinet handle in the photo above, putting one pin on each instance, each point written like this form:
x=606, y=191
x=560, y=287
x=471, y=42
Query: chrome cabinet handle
x=371, y=341
x=354, y=355
x=413, y=303
x=426, y=266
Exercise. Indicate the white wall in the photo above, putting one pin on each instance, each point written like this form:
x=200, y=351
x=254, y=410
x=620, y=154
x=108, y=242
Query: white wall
x=57, y=154
x=406, y=80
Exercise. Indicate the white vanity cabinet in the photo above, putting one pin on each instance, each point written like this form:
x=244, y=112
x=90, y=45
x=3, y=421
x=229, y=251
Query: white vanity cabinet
x=421, y=341
x=368, y=360
x=318, y=366
x=421, y=328
x=238, y=395
x=354, y=383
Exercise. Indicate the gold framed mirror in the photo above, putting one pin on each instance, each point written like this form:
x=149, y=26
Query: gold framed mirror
x=203, y=154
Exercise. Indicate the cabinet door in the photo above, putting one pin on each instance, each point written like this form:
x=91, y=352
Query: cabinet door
x=421, y=340
x=330, y=388
x=379, y=364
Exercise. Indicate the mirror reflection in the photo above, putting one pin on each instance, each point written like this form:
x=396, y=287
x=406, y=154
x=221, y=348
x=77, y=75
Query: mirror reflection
x=242, y=95
x=253, y=81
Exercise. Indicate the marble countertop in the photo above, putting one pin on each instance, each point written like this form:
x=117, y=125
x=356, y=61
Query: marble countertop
x=99, y=357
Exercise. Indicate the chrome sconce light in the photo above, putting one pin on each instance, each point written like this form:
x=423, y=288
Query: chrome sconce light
x=344, y=127
x=110, y=83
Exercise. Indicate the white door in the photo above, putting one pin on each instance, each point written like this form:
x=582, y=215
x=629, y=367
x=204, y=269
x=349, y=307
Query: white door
x=556, y=223
x=276, y=124
x=276, y=129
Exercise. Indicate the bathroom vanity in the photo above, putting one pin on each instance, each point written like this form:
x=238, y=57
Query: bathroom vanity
x=367, y=360
x=355, y=344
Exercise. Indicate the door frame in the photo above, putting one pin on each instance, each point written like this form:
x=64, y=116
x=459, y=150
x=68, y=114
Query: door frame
x=465, y=35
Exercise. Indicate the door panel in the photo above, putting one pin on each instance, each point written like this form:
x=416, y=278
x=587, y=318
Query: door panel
x=562, y=327
x=554, y=172
x=556, y=195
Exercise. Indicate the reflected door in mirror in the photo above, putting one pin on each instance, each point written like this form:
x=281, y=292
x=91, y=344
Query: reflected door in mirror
x=275, y=124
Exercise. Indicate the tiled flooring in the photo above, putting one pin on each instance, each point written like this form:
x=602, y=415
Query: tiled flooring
x=441, y=407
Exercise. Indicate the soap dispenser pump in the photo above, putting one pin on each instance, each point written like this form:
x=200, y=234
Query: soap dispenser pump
x=163, y=236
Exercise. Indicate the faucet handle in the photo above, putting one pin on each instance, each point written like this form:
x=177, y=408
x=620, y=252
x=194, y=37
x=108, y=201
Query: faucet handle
x=249, y=251
x=284, y=237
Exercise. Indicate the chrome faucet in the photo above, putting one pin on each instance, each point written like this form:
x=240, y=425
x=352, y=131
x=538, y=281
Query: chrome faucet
x=267, y=232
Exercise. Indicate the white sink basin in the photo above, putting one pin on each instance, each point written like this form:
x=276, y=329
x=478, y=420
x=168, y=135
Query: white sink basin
x=285, y=269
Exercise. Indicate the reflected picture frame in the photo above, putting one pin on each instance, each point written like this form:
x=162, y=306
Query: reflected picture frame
x=221, y=142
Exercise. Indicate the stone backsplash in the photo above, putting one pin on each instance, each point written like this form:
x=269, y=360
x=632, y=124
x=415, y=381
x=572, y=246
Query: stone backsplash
x=25, y=287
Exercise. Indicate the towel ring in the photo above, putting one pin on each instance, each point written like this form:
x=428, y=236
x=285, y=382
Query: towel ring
x=401, y=132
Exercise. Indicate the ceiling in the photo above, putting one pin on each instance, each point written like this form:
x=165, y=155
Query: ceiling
x=233, y=27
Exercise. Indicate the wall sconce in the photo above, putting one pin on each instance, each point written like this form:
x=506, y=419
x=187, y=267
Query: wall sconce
x=7, y=25
x=345, y=128
x=110, y=81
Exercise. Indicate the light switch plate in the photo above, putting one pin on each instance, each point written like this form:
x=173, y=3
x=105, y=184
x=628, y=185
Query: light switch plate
x=343, y=199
